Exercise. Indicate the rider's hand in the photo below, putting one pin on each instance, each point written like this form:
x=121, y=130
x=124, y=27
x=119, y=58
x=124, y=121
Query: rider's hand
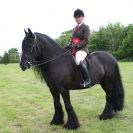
x=73, y=46
x=68, y=47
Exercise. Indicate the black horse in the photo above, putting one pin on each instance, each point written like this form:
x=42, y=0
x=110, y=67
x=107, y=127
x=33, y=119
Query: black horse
x=56, y=66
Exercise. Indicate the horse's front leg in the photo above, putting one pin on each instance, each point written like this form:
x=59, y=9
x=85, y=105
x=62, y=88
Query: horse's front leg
x=72, y=122
x=58, y=118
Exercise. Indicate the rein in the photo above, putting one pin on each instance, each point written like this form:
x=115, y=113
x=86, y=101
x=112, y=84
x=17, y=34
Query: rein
x=43, y=61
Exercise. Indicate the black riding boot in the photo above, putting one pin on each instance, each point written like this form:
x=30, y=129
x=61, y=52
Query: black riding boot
x=85, y=75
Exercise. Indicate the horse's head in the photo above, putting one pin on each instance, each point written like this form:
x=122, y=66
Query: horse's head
x=37, y=47
x=29, y=48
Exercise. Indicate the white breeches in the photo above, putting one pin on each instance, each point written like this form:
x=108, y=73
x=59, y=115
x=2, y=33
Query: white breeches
x=80, y=56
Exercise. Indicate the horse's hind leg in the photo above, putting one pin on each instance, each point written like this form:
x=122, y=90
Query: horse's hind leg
x=108, y=110
x=72, y=122
x=58, y=117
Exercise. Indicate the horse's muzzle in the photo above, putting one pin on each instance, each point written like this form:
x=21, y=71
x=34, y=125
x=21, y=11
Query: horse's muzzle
x=24, y=66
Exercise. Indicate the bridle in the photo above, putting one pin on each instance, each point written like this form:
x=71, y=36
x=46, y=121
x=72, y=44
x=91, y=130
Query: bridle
x=31, y=63
x=35, y=44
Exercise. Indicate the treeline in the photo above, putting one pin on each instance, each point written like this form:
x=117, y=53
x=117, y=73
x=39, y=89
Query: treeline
x=11, y=56
x=114, y=38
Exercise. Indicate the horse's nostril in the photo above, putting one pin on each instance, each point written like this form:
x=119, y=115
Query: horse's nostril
x=23, y=68
x=24, y=65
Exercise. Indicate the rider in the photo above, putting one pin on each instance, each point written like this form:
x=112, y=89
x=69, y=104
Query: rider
x=78, y=46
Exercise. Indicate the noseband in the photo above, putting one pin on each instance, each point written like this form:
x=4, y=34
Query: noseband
x=35, y=44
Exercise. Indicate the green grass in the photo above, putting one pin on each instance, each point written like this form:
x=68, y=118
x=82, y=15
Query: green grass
x=26, y=105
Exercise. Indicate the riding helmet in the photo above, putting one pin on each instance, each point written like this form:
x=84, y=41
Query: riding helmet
x=78, y=13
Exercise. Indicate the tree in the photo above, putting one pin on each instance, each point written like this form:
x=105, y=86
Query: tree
x=13, y=55
x=65, y=38
x=126, y=49
x=108, y=38
x=128, y=45
x=116, y=35
x=98, y=41
x=1, y=59
x=5, y=58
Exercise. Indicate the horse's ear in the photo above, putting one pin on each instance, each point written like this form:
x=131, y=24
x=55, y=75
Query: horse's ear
x=26, y=33
x=31, y=35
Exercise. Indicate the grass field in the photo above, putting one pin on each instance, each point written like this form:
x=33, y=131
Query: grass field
x=26, y=105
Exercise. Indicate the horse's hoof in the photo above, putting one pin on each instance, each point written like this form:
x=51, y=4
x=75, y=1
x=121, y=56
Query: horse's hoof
x=57, y=122
x=71, y=126
x=105, y=116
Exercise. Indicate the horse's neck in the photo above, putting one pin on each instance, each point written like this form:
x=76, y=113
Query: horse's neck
x=54, y=51
x=52, y=48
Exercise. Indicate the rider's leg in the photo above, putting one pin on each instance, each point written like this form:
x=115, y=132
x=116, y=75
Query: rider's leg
x=79, y=57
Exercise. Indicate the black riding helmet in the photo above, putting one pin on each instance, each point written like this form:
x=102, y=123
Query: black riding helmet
x=78, y=13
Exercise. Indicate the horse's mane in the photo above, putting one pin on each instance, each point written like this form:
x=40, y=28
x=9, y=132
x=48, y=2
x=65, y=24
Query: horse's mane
x=44, y=39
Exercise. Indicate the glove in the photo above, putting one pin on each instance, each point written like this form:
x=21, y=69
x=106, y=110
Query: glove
x=73, y=46
x=68, y=47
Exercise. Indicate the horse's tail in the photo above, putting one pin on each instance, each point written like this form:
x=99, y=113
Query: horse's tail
x=117, y=96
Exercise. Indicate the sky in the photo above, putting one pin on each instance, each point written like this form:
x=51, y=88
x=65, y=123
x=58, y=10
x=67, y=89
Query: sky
x=52, y=17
